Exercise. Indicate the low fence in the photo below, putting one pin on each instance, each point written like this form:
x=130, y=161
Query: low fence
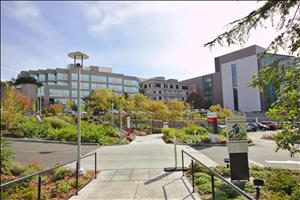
x=40, y=174
x=213, y=175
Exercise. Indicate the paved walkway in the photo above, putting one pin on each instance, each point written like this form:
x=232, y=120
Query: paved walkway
x=135, y=171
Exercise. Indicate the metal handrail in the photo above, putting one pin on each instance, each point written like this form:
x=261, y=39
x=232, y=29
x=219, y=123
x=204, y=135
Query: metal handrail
x=213, y=173
x=9, y=183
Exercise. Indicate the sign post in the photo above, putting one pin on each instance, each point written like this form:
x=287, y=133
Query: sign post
x=212, y=119
x=237, y=147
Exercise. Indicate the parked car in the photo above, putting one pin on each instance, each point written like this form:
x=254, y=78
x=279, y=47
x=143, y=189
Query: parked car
x=262, y=126
x=272, y=125
x=251, y=127
x=221, y=128
x=71, y=112
x=83, y=112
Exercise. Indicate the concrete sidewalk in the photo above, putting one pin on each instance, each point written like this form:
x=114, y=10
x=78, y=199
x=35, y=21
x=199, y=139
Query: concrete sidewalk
x=135, y=171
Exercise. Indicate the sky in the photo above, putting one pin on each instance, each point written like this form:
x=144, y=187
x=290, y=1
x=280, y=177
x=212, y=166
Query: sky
x=143, y=39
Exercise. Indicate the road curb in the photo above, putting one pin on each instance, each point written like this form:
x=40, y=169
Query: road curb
x=46, y=141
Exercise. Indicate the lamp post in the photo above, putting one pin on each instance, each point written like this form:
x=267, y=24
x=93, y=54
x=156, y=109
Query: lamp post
x=121, y=122
x=78, y=56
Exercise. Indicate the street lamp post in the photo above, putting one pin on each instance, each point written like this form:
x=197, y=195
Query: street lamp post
x=79, y=56
x=121, y=122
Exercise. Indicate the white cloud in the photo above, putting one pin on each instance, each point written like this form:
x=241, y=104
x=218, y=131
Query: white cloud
x=21, y=10
x=29, y=15
x=104, y=15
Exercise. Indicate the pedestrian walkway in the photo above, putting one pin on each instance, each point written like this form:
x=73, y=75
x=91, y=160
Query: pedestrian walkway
x=135, y=171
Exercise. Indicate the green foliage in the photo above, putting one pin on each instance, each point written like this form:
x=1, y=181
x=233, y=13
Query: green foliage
x=26, y=79
x=222, y=112
x=29, y=127
x=13, y=106
x=61, y=173
x=56, y=122
x=282, y=183
x=286, y=80
x=287, y=22
x=6, y=157
x=189, y=134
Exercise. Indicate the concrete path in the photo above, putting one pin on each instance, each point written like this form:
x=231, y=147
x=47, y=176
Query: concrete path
x=135, y=171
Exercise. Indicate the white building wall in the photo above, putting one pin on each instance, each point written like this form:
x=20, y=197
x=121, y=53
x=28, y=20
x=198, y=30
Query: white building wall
x=248, y=98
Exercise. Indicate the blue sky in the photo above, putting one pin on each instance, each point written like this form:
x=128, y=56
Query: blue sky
x=143, y=39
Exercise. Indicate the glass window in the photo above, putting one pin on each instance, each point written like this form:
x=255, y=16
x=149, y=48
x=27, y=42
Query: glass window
x=51, y=76
x=74, y=93
x=234, y=75
x=62, y=76
x=85, y=93
x=61, y=83
x=85, y=86
x=130, y=82
x=74, y=76
x=97, y=85
x=157, y=85
x=130, y=89
x=117, y=88
x=51, y=83
x=171, y=86
x=184, y=87
x=59, y=93
x=115, y=80
x=41, y=91
x=74, y=84
x=41, y=77
x=207, y=85
x=85, y=77
x=96, y=78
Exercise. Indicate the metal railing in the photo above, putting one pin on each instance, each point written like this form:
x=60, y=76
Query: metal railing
x=39, y=174
x=213, y=175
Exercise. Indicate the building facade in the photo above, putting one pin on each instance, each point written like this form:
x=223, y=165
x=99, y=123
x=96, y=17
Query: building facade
x=159, y=88
x=60, y=84
x=208, y=87
x=228, y=86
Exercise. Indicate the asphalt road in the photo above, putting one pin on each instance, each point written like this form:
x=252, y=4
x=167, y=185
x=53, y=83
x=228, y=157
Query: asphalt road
x=261, y=154
x=47, y=154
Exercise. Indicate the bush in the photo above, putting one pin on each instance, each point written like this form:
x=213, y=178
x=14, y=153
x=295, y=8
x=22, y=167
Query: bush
x=195, y=130
x=30, y=128
x=61, y=173
x=56, y=122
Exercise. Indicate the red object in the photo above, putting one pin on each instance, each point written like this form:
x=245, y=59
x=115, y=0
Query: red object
x=128, y=131
x=212, y=120
x=272, y=125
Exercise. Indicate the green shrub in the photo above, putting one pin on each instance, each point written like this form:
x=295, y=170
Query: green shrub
x=6, y=157
x=61, y=173
x=56, y=122
x=29, y=127
x=282, y=182
x=295, y=194
x=194, y=130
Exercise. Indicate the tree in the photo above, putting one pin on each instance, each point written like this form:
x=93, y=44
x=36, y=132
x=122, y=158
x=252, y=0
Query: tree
x=222, y=112
x=288, y=24
x=14, y=105
x=101, y=100
x=176, y=108
x=286, y=110
x=158, y=109
x=137, y=105
x=285, y=78
x=27, y=79
x=195, y=100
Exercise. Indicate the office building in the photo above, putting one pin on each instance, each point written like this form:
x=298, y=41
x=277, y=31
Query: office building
x=60, y=84
x=228, y=86
x=159, y=88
